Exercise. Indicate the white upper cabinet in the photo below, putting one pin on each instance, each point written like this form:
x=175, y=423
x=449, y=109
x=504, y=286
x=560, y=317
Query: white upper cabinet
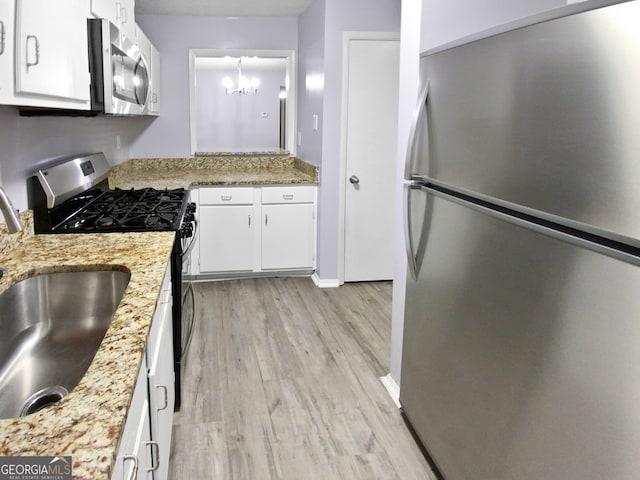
x=118, y=12
x=51, y=54
x=7, y=13
x=154, y=98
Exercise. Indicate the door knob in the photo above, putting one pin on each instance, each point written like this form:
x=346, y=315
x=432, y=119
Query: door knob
x=354, y=180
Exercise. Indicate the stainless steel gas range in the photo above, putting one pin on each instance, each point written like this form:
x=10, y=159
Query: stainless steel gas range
x=72, y=196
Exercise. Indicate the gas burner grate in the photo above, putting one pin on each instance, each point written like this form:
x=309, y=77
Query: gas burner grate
x=147, y=209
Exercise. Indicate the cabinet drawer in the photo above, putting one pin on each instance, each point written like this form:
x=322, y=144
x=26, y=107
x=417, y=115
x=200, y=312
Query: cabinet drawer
x=226, y=196
x=291, y=194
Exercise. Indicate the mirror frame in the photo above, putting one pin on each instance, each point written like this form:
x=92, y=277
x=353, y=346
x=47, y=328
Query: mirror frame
x=291, y=94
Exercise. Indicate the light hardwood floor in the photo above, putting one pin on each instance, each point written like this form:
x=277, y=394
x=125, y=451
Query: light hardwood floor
x=282, y=382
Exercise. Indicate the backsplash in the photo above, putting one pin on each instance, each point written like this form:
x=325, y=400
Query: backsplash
x=28, y=142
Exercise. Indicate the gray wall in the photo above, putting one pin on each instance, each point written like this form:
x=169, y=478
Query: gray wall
x=311, y=32
x=409, y=63
x=339, y=17
x=229, y=123
x=173, y=36
x=27, y=142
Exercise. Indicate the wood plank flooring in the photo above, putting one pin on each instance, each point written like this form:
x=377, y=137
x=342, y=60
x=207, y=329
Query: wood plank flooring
x=282, y=382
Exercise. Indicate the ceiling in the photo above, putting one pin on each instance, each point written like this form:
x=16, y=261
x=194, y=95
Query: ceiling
x=225, y=8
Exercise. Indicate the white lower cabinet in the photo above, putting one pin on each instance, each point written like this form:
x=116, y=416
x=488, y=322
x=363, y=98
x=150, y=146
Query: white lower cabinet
x=226, y=238
x=288, y=236
x=161, y=381
x=146, y=440
x=134, y=455
x=256, y=229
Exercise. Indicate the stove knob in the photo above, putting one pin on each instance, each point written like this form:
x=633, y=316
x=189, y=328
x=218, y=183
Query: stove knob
x=191, y=207
x=189, y=217
x=186, y=230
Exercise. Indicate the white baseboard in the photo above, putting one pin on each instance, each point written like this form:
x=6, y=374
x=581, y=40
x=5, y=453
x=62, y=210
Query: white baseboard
x=392, y=387
x=324, y=283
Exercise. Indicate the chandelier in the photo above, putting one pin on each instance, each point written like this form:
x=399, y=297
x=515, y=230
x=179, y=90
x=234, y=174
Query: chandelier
x=244, y=86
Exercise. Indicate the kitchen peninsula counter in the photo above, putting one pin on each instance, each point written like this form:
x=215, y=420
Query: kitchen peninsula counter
x=87, y=424
x=214, y=170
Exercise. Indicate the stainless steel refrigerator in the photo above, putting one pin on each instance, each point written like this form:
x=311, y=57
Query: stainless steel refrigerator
x=521, y=353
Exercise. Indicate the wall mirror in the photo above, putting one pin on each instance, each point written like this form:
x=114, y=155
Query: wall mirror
x=242, y=101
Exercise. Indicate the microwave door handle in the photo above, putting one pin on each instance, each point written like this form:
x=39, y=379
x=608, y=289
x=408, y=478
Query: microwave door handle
x=419, y=115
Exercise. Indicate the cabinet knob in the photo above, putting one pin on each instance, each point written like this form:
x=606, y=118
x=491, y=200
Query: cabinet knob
x=2, y=35
x=36, y=42
x=166, y=396
x=156, y=446
x=134, y=470
x=354, y=180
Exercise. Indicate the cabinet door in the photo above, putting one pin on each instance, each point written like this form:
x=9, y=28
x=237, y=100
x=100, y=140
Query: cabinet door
x=161, y=386
x=154, y=100
x=50, y=60
x=133, y=453
x=118, y=12
x=7, y=10
x=226, y=238
x=287, y=236
x=126, y=18
x=107, y=9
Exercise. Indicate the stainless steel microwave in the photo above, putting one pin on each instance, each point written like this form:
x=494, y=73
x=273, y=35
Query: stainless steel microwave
x=120, y=82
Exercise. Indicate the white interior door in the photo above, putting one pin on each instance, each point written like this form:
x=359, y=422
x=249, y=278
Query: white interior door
x=372, y=85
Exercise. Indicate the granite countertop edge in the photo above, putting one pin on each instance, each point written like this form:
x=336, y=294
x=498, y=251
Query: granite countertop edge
x=214, y=171
x=87, y=424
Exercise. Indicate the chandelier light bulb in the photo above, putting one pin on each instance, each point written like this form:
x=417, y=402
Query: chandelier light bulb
x=244, y=86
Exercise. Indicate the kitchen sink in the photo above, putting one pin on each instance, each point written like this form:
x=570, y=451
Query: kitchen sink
x=52, y=326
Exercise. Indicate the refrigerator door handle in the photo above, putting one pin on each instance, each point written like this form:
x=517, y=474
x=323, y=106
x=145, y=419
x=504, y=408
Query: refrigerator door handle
x=415, y=250
x=420, y=113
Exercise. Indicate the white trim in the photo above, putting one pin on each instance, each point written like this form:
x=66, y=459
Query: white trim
x=325, y=283
x=290, y=55
x=347, y=37
x=392, y=387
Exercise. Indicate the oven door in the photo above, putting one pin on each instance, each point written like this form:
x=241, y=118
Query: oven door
x=119, y=72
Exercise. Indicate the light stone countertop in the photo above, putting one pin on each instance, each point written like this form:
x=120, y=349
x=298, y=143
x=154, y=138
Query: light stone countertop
x=87, y=424
x=186, y=173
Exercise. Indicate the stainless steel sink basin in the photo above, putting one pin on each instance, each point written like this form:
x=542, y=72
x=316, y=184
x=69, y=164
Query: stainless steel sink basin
x=51, y=326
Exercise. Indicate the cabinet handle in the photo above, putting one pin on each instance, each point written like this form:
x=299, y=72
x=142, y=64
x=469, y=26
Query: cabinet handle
x=166, y=396
x=121, y=13
x=226, y=198
x=37, y=49
x=266, y=219
x=134, y=472
x=249, y=221
x=288, y=196
x=2, y=34
x=157, y=457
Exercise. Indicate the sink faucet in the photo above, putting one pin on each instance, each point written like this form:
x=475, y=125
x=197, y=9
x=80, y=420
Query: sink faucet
x=14, y=224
